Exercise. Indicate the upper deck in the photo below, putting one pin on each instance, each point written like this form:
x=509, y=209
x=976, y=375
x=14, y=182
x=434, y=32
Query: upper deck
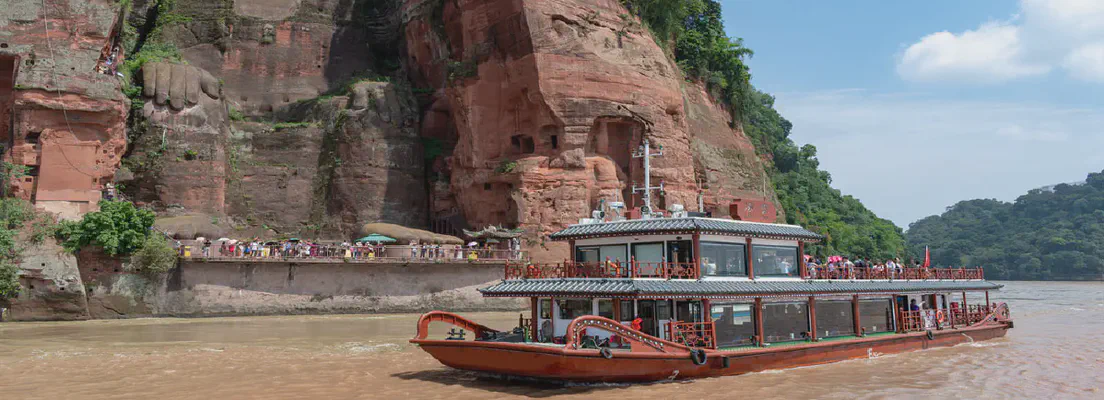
x=703, y=248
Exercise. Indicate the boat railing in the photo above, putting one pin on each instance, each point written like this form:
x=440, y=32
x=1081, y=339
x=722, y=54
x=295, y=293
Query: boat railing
x=922, y=320
x=856, y=273
x=693, y=334
x=604, y=269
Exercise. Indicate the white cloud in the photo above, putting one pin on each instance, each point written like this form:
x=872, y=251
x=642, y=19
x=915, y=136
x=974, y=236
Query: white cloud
x=1087, y=62
x=991, y=53
x=907, y=156
x=1044, y=35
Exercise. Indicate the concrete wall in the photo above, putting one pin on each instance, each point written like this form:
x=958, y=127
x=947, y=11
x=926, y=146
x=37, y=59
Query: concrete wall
x=198, y=288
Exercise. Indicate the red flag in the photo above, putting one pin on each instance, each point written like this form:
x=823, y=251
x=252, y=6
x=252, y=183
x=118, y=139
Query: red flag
x=927, y=257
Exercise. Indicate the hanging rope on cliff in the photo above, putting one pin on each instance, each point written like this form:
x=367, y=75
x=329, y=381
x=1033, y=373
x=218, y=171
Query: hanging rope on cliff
x=57, y=88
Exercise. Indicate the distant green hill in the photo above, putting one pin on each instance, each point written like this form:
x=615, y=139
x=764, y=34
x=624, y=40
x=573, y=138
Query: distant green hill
x=1055, y=233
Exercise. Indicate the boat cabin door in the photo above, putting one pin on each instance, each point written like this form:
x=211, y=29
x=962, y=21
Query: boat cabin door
x=647, y=310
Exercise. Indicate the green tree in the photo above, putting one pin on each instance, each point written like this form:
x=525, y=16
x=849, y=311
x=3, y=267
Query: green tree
x=118, y=228
x=156, y=256
x=1044, y=234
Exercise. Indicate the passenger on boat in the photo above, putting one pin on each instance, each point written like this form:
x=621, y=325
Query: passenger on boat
x=913, y=306
x=638, y=323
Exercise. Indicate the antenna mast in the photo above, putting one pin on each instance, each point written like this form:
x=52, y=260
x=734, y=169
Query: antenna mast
x=645, y=152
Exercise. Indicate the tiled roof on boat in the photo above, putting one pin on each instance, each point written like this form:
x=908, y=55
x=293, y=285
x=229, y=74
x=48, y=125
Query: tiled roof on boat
x=689, y=224
x=677, y=287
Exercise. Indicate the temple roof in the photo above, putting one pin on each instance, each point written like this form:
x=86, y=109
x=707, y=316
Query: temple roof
x=686, y=225
x=718, y=288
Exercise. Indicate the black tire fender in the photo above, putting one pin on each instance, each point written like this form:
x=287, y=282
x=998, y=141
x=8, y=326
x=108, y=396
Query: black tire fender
x=698, y=356
x=606, y=353
x=931, y=336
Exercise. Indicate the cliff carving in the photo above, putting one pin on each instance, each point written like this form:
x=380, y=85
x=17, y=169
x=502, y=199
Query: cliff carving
x=545, y=102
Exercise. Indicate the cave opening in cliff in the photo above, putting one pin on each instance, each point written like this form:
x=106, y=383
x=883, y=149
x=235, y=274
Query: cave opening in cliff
x=616, y=138
x=523, y=144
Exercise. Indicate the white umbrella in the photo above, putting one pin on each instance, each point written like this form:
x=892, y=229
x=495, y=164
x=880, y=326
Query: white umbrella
x=472, y=244
x=200, y=238
x=223, y=240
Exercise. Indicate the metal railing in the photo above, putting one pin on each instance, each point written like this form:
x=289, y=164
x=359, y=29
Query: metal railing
x=693, y=334
x=922, y=320
x=826, y=272
x=381, y=253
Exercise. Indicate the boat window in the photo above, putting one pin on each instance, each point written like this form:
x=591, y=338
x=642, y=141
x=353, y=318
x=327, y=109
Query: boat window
x=594, y=254
x=688, y=311
x=723, y=259
x=605, y=308
x=833, y=318
x=546, y=308
x=733, y=323
x=681, y=251
x=627, y=311
x=648, y=252
x=572, y=308
x=774, y=260
x=663, y=310
x=785, y=322
x=875, y=315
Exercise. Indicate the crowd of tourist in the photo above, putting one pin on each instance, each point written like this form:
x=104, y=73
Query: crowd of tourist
x=296, y=248
x=842, y=267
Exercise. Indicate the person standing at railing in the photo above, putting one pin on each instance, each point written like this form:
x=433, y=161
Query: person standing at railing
x=207, y=248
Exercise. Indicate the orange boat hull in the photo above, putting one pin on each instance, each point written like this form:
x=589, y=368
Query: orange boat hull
x=587, y=365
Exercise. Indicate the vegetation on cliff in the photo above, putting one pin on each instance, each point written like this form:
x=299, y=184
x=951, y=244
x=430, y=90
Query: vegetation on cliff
x=701, y=47
x=118, y=228
x=807, y=196
x=705, y=52
x=19, y=224
x=1044, y=234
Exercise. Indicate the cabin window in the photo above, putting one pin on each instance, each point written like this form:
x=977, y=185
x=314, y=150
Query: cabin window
x=572, y=308
x=627, y=311
x=605, y=308
x=648, y=252
x=723, y=259
x=734, y=324
x=785, y=322
x=875, y=315
x=833, y=318
x=688, y=311
x=681, y=251
x=663, y=310
x=774, y=260
x=546, y=308
x=595, y=254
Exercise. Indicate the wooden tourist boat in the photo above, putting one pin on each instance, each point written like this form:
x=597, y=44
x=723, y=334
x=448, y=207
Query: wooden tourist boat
x=710, y=297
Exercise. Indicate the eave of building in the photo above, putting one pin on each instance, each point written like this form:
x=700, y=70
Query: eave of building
x=654, y=288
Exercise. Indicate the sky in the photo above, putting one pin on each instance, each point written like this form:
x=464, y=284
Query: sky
x=916, y=105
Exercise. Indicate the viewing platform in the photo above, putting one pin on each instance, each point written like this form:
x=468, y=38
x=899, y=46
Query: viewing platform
x=338, y=254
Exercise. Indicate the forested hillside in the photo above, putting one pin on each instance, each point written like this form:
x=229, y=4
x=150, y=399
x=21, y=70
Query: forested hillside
x=1045, y=234
x=696, y=35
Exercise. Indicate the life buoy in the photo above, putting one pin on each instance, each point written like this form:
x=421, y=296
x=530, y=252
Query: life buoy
x=939, y=316
x=698, y=356
x=606, y=353
x=931, y=336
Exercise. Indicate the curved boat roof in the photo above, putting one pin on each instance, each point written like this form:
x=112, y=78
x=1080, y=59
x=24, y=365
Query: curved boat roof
x=708, y=288
x=687, y=225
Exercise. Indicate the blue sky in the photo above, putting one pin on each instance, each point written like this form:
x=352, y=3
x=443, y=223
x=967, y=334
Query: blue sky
x=914, y=106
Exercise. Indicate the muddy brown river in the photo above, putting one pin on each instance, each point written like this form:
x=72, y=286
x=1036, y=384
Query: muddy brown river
x=1056, y=351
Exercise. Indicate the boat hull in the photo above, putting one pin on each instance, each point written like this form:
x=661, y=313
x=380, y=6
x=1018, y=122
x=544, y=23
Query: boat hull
x=588, y=365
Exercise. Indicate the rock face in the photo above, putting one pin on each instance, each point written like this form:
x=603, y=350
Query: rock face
x=546, y=101
x=65, y=102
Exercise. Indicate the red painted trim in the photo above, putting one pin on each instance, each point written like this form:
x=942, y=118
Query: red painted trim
x=696, y=238
x=759, y=320
x=855, y=313
x=801, y=259
x=750, y=267
x=812, y=318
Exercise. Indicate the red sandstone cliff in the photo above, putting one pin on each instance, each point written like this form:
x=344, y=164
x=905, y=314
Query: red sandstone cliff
x=532, y=109
x=545, y=101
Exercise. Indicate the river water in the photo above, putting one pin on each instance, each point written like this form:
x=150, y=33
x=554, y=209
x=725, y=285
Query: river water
x=1056, y=351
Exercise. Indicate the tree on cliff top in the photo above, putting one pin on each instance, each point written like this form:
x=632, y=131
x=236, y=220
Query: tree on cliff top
x=118, y=228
